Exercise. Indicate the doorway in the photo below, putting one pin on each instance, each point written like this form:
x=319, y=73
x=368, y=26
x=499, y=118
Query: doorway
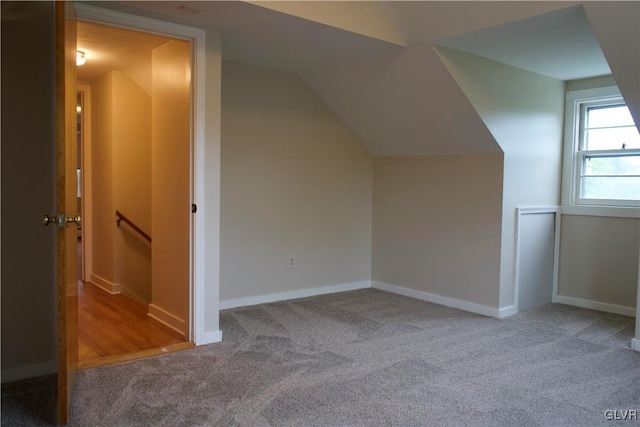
x=134, y=124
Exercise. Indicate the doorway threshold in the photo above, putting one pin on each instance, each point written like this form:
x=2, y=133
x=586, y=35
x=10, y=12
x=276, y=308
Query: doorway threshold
x=110, y=360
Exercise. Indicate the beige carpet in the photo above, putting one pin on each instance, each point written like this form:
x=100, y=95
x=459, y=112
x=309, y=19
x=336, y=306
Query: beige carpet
x=372, y=358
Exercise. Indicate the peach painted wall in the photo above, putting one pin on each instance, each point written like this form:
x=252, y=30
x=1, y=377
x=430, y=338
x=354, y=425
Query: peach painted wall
x=121, y=161
x=132, y=186
x=102, y=169
x=170, y=172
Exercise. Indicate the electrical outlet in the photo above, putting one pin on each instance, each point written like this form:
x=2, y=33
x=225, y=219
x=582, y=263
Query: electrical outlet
x=292, y=262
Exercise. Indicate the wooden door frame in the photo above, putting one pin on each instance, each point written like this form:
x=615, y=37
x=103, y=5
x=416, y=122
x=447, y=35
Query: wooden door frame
x=196, y=36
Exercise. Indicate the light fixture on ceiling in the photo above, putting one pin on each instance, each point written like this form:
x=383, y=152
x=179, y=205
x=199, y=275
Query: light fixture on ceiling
x=80, y=58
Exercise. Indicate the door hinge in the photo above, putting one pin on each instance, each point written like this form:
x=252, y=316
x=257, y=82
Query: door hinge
x=194, y=208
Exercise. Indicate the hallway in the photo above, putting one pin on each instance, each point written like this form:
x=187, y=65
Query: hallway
x=114, y=327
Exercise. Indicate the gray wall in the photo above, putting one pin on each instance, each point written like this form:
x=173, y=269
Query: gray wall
x=294, y=182
x=436, y=225
x=599, y=259
x=599, y=255
x=28, y=191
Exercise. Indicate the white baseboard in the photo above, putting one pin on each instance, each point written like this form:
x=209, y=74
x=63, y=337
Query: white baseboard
x=283, y=296
x=595, y=305
x=167, y=319
x=507, y=311
x=449, y=302
x=210, y=337
x=635, y=344
x=105, y=285
x=30, y=371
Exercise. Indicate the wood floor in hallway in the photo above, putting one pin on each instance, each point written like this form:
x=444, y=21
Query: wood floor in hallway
x=113, y=325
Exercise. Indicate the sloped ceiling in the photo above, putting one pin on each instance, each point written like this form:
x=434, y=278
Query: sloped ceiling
x=559, y=44
x=617, y=27
x=258, y=35
x=404, y=103
x=401, y=100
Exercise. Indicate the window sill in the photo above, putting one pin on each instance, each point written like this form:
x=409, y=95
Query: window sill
x=619, y=212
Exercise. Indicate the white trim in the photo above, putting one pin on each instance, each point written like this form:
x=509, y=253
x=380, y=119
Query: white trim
x=596, y=305
x=619, y=212
x=105, y=285
x=507, y=311
x=536, y=210
x=198, y=196
x=283, y=296
x=449, y=302
x=29, y=371
x=112, y=18
x=199, y=247
x=210, y=337
x=556, y=257
x=167, y=319
x=598, y=92
x=571, y=204
x=635, y=342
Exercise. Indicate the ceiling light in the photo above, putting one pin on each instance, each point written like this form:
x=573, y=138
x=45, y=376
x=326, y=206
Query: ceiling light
x=80, y=59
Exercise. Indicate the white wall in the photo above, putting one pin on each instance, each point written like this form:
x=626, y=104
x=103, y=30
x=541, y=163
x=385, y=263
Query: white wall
x=294, y=182
x=28, y=191
x=436, y=225
x=213, y=116
x=524, y=113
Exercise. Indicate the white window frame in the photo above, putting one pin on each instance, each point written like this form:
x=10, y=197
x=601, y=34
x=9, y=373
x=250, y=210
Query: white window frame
x=572, y=157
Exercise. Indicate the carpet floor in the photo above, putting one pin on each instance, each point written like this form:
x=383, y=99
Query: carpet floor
x=369, y=357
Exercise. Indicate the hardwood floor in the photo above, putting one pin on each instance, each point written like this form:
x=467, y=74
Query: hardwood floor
x=112, y=325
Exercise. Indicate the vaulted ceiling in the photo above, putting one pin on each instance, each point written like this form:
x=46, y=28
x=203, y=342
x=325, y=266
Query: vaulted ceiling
x=375, y=66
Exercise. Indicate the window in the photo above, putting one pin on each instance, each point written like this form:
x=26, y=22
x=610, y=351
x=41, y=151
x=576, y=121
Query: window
x=604, y=155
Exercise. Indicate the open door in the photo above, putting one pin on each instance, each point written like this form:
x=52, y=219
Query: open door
x=66, y=218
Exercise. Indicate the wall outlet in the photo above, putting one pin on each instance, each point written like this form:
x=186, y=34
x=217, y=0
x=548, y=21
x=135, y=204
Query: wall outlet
x=292, y=262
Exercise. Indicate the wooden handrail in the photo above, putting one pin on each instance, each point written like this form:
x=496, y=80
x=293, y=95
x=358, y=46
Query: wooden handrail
x=121, y=217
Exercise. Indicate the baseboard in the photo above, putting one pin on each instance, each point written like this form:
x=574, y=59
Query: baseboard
x=507, y=311
x=595, y=305
x=210, y=337
x=30, y=371
x=635, y=344
x=105, y=285
x=446, y=301
x=167, y=319
x=283, y=296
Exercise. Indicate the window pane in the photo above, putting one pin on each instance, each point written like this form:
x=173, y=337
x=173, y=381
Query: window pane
x=608, y=116
x=616, y=188
x=611, y=165
x=612, y=138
